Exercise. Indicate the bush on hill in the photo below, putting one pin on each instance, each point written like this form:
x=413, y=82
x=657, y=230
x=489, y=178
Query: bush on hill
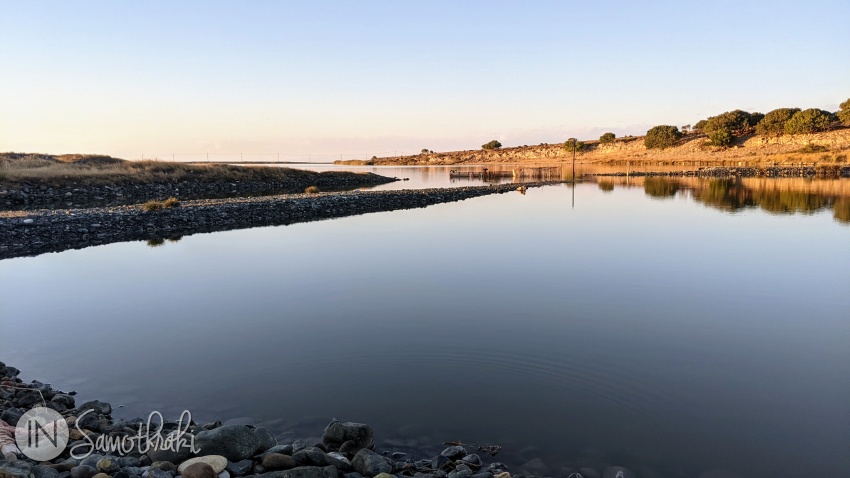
x=662, y=136
x=811, y=120
x=774, y=121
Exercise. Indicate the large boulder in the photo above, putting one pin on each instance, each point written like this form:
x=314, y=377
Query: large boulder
x=368, y=463
x=234, y=442
x=337, y=433
x=163, y=451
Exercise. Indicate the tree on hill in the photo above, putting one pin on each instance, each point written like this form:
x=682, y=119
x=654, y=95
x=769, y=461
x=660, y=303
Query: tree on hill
x=844, y=113
x=492, y=145
x=662, y=136
x=607, y=138
x=811, y=120
x=573, y=144
x=774, y=121
x=721, y=128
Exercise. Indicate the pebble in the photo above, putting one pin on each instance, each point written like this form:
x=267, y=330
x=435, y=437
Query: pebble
x=83, y=471
x=199, y=470
x=107, y=465
x=217, y=462
x=278, y=461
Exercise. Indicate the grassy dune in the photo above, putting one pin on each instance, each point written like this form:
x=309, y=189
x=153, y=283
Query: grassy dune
x=80, y=169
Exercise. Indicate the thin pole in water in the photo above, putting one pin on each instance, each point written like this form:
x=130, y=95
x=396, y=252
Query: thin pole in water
x=574, y=162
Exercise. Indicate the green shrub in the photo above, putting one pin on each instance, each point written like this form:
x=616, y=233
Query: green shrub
x=774, y=121
x=720, y=137
x=722, y=127
x=492, y=145
x=811, y=120
x=662, y=136
x=844, y=113
x=698, y=127
x=607, y=138
x=573, y=144
x=425, y=151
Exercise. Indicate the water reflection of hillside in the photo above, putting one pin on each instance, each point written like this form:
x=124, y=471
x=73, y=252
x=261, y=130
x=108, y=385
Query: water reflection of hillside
x=775, y=196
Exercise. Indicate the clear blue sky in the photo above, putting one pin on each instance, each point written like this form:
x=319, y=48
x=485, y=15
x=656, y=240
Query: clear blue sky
x=361, y=77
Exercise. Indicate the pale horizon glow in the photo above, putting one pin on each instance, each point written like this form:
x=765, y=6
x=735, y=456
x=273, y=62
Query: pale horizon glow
x=356, y=79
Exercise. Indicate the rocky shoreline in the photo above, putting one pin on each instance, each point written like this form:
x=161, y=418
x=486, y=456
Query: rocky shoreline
x=38, y=196
x=745, y=172
x=213, y=450
x=27, y=233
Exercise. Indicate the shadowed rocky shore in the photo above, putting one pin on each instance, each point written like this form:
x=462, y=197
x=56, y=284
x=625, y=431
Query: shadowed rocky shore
x=216, y=450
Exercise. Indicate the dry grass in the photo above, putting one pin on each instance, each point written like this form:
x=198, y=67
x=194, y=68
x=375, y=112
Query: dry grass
x=66, y=170
x=312, y=190
x=169, y=203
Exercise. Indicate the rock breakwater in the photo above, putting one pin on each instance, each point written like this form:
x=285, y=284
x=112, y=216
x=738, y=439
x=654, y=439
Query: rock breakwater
x=37, y=232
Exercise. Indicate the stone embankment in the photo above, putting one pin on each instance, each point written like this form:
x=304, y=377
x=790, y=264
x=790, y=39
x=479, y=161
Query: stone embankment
x=35, y=196
x=27, y=233
x=746, y=172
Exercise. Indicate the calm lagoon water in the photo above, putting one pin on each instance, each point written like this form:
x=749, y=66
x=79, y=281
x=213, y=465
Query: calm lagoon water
x=634, y=327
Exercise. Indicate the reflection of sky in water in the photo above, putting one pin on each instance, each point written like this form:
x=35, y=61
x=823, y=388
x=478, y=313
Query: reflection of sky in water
x=676, y=334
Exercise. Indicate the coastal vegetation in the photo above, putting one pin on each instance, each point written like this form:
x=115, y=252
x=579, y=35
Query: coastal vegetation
x=662, y=136
x=491, y=145
x=573, y=145
x=607, y=138
x=169, y=203
x=843, y=114
x=57, y=171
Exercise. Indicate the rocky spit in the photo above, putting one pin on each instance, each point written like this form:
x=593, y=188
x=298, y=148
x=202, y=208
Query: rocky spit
x=35, y=196
x=746, y=172
x=28, y=233
x=346, y=450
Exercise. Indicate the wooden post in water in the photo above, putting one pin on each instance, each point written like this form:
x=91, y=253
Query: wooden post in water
x=574, y=166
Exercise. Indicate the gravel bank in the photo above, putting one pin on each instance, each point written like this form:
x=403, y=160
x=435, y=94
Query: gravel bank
x=35, y=196
x=28, y=233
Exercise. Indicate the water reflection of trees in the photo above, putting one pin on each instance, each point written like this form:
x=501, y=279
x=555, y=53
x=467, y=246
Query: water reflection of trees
x=732, y=195
x=660, y=188
x=725, y=194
